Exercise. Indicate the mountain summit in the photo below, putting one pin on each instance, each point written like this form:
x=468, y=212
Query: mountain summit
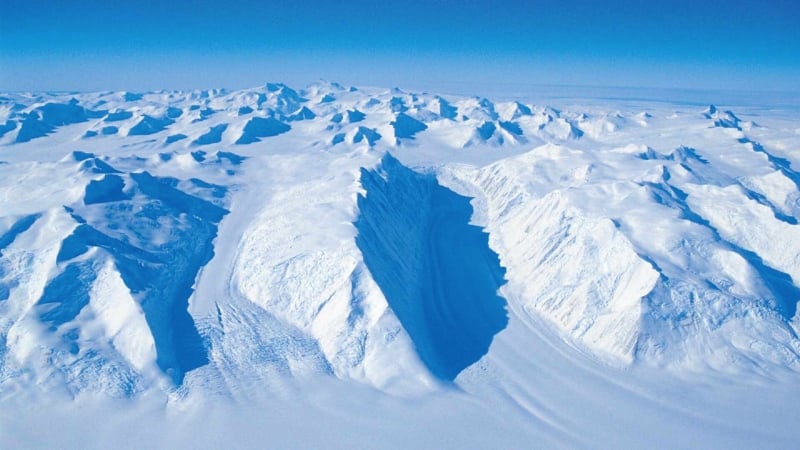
x=506, y=273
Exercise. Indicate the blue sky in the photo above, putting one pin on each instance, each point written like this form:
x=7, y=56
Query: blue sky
x=178, y=44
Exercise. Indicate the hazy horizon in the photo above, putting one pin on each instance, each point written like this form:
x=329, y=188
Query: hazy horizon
x=148, y=45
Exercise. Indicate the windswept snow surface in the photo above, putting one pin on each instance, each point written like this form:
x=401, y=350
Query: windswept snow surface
x=370, y=268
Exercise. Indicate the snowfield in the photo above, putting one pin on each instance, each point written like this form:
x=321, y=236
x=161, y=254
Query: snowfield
x=371, y=268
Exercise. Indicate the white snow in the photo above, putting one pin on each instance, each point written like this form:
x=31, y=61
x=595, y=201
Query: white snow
x=376, y=268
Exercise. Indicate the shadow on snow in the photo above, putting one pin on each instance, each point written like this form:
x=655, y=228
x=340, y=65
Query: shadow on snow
x=436, y=270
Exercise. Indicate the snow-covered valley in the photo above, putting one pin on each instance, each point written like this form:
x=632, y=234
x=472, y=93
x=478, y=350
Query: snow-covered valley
x=375, y=268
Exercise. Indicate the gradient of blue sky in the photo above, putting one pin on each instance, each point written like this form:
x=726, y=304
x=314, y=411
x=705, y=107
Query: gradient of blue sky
x=137, y=45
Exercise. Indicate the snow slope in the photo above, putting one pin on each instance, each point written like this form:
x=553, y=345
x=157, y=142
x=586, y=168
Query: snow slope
x=340, y=266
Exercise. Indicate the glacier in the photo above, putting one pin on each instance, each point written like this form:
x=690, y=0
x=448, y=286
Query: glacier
x=368, y=267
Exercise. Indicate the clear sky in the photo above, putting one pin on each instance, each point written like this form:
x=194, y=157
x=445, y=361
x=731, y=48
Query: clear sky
x=181, y=44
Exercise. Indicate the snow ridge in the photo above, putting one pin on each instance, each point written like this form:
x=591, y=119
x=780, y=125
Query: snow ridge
x=204, y=240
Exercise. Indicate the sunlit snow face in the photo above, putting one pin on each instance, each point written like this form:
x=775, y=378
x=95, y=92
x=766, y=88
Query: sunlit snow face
x=373, y=253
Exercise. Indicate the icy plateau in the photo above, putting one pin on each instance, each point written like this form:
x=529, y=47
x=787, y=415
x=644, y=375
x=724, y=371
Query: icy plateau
x=370, y=268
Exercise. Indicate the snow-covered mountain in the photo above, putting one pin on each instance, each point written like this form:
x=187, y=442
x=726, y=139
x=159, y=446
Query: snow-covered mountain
x=510, y=272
